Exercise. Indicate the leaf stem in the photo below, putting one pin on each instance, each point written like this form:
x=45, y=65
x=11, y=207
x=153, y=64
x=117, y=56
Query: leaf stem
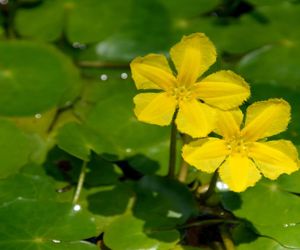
x=172, y=152
x=184, y=166
x=228, y=244
x=80, y=182
x=212, y=185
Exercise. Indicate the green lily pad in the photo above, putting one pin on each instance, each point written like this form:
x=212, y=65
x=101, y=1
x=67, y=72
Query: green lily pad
x=272, y=193
x=111, y=117
x=64, y=167
x=273, y=24
x=73, y=17
x=34, y=78
x=106, y=203
x=79, y=141
x=131, y=235
x=132, y=40
x=290, y=183
x=27, y=186
x=170, y=201
x=262, y=244
x=110, y=200
x=265, y=215
x=14, y=148
x=272, y=64
x=101, y=172
x=43, y=225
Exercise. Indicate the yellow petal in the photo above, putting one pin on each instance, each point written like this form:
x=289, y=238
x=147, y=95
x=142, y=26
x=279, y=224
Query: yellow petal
x=228, y=123
x=266, y=118
x=274, y=158
x=205, y=154
x=223, y=89
x=192, y=56
x=239, y=173
x=195, y=119
x=154, y=108
x=152, y=72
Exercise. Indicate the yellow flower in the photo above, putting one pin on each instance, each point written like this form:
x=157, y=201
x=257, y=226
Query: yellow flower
x=196, y=100
x=241, y=155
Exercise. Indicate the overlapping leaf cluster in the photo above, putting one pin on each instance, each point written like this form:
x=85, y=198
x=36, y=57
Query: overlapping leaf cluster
x=56, y=112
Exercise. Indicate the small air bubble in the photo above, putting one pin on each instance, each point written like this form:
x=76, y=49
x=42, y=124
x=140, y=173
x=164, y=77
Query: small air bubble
x=124, y=76
x=38, y=116
x=77, y=208
x=222, y=186
x=173, y=214
x=56, y=241
x=128, y=150
x=103, y=77
x=78, y=45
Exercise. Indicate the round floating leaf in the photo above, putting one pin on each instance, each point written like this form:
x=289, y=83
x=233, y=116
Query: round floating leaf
x=28, y=186
x=84, y=21
x=274, y=23
x=111, y=200
x=265, y=215
x=78, y=141
x=14, y=148
x=107, y=203
x=273, y=64
x=33, y=78
x=42, y=225
x=132, y=40
x=283, y=203
x=114, y=122
x=170, y=201
x=131, y=235
x=101, y=172
x=290, y=183
x=48, y=28
x=262, y=244
x=286, y=234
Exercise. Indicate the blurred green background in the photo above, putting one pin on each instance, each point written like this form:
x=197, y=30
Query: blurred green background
x=66, y=96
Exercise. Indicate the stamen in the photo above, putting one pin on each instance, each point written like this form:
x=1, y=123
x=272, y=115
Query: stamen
x=181, y=93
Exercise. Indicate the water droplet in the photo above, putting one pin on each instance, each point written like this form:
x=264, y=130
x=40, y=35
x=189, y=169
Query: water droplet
x=124, y=76
x=128, y=150
x=78, y=45
x=3, y=2
x=222, y=186
x=290, y=225
x=173, y=214
x=38, y=116
x=56, y=241
x=103, y=77
x=77, y=208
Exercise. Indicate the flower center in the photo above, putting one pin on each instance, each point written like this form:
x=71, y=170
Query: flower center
x=181, y=93
x=237, y=145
